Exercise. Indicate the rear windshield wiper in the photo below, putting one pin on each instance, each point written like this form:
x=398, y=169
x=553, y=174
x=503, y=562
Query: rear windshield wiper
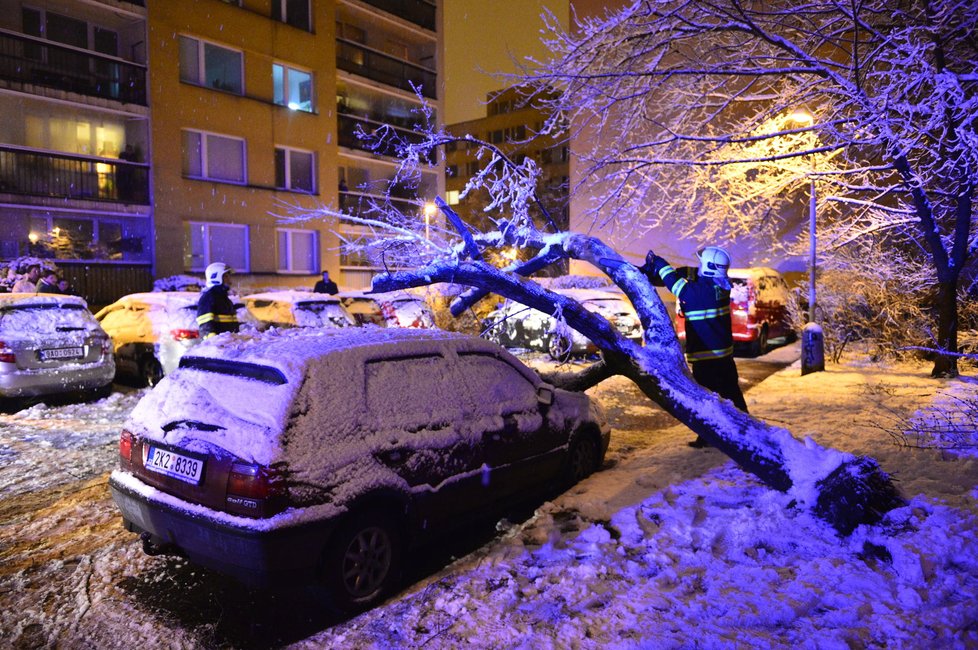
x=191, y=424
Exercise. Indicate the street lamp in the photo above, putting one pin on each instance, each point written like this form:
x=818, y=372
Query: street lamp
x=430, y=209
x=812, y=340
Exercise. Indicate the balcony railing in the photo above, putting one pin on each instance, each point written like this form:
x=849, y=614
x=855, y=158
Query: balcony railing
x=40, y=173
x=418, y=12
x=359, y=204
x=371, y=64
x=347, y=136
x=29, y=60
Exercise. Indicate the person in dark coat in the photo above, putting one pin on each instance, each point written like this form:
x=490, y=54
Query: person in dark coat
x=215, y=311
x=704, y=295
x=48, y=283
x=326, y=285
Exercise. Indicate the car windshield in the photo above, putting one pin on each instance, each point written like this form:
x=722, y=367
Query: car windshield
x=45, y=318
x=320, y=314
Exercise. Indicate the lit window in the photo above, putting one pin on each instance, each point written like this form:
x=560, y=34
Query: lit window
x=295, y=170
x=216, y=242
x=210, y=65
x=451, y=197
x=293, y=88
x=298, y=251
x=214, y=157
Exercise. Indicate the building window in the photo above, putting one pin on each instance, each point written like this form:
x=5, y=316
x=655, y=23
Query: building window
x=298, y=251
x=451, y=197
x=293, y=12
x=210, y=65
x=295, y=170
x=214, y=157
x=293, y=88
x=216, y=242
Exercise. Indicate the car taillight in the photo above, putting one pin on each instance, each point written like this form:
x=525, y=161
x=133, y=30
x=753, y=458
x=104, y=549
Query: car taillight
x=6, y=354
x=125, y=449
x=255, y=482
x=182, y=335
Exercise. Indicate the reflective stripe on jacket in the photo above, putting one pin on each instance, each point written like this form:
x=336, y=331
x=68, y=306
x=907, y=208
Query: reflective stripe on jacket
x=216, y=313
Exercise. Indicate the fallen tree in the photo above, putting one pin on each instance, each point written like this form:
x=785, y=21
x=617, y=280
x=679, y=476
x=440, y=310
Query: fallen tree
x=842, y=489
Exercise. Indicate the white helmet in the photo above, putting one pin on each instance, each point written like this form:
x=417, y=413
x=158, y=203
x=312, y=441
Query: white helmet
x=214, y=273
x=714, y=262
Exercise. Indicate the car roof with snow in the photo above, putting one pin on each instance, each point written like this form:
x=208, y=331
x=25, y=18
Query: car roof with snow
x=752, y=272
x=291, y=350
x=291, y=296
x=379, y=296
x=22, y=299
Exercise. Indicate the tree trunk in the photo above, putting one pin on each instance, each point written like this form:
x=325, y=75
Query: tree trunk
x=844, y=490
x=946, y=365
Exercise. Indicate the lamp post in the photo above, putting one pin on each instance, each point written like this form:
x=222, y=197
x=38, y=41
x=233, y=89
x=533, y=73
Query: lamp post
x=812, y=339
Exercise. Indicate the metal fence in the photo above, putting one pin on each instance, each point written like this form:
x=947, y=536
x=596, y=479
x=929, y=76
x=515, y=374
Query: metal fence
x=41, y=173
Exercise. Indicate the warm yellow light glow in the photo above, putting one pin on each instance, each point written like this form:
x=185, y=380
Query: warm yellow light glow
x=802, y=117
x=33, y=237
x=56, y=231
x=430, y=209
x=509, y=254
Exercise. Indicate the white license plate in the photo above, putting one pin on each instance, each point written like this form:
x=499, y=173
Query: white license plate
x=172, y=464
x=61, y=353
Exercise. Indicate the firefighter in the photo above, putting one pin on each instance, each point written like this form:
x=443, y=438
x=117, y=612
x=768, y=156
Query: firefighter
x=704, y=295
x=215, y=311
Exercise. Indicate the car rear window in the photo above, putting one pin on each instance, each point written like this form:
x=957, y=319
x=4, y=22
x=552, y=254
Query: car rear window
x=264, y=374
x=46, y=318
x=184, y=318
x=320, y=314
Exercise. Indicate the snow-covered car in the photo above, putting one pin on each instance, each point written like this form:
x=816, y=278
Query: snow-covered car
x=517, y=326
x=330, y=454
x=297, y=309
x=151, y=331
x=51, y=344
x=758, y=309
x=391, y=309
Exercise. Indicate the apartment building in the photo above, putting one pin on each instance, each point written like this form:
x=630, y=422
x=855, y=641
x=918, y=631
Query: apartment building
x=74, y=136
x=513, y=123
x=192, y=129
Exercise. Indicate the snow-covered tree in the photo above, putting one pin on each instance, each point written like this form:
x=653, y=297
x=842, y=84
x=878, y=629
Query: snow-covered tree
x=688, y=113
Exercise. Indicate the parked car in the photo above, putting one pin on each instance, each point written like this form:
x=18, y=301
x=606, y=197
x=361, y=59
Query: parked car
x=514, y=325
x=758, y=309
x=331, y=454
x=49, y=344
x=297, y=309
x=392, y=309
x=151, y=331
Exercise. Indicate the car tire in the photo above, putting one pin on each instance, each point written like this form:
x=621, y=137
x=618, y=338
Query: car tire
x=559, y=348
x=759, y=346
x=583, y=459
x=150, y=371
x=362, y=562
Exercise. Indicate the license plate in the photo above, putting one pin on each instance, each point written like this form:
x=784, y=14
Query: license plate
x=172, y=464
x=61, y=353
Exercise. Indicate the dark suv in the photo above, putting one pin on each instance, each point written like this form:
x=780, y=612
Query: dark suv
x=330, y=454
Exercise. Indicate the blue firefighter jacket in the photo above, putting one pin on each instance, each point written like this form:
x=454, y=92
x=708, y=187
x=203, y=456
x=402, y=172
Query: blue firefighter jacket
x=706, y=306
x=215, y=312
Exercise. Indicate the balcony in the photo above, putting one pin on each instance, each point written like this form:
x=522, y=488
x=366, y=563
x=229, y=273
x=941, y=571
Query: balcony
x=34, y=61
x=347, y=127
x=38, y=173
x=418, y=12
x=357, y=59
x=360, y=204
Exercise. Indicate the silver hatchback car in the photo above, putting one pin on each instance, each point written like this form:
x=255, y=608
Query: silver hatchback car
x=51, y=344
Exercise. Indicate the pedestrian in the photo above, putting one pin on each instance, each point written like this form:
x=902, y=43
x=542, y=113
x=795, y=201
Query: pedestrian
x=65, y=287
x=215, y=311
x=28, y=283
x=704, y=295
x=326, y=285
x=48, y=283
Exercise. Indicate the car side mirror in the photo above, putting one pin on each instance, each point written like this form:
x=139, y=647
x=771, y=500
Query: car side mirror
x=545, y=394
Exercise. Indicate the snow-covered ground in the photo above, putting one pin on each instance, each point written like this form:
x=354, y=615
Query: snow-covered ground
x=668, y=547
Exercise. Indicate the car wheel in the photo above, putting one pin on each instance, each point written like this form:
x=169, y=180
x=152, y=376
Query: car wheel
x=759, y=346
x=151, y=371
x=362, y=563
x=582, y=459
x=559, y=348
